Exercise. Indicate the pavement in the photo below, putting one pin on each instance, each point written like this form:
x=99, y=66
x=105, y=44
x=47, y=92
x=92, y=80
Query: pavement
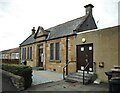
x=52, y=81
x=44, y=76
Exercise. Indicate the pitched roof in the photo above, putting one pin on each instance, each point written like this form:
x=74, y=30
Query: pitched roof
x=29, y=40
x=41, y=29
x=13, y=50
x=65, y=28
x=60, y=30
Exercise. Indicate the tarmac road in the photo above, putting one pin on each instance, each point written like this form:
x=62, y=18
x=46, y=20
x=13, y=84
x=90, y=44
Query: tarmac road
x=6, y=84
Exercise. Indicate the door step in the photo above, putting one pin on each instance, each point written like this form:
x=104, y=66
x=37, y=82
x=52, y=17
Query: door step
x=78, y=77
x=38, y=68
x=85, y=72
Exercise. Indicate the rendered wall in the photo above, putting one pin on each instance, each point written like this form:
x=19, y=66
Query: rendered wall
x=105, y=48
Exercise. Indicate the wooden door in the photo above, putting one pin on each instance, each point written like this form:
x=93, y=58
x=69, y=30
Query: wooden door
x=84, y=56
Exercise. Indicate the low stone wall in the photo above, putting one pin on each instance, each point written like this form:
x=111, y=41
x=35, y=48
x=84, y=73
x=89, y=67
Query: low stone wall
x=17, y=81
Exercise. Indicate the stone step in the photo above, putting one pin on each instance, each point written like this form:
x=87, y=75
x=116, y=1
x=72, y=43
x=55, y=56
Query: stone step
x=78, y=77
x=81, y=74
x=79, y=71
x=69, y=79
x=38, y=68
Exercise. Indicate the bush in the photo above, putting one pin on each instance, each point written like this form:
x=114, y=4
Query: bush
x=21, y=70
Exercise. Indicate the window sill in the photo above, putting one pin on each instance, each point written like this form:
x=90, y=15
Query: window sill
x=55, y=61
x=29, y=59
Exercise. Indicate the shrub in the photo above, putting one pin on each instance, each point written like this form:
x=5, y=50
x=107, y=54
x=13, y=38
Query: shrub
x=21, y=70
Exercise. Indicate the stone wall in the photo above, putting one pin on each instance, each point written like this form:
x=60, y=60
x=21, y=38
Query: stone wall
x=56, y=65
x=17, y=81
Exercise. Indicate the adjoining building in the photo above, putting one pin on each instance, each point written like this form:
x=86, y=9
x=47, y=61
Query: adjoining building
x=10, y=56
x=73, y=44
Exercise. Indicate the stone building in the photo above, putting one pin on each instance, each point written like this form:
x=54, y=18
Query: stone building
x=73, y=44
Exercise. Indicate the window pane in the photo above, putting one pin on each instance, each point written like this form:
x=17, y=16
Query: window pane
x=51, y=51
x=23, y=54
x=30, y=52
x=57, y=51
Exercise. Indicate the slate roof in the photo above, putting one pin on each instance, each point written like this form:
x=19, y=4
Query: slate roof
x=64, y=29
x=29, y=40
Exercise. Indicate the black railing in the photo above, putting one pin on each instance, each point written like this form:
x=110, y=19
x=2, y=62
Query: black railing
x=83, y=73
x=65, y=67
x=64, y=70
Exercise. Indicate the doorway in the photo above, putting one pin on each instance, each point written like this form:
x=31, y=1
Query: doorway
x=40, y=56
x=85, y=56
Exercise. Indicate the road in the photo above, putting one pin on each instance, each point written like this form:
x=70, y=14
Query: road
x=6, y=84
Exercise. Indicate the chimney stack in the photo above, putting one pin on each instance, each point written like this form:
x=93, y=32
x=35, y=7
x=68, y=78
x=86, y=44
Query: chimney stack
x=89, y=9
x=33, y=30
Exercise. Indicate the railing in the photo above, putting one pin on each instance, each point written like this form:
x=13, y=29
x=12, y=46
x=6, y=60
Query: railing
x=64, y=69
x=83, y=73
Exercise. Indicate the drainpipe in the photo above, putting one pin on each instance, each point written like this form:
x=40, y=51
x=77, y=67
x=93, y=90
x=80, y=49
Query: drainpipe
x=45, y=55
x=20, y=54
x=66, y=55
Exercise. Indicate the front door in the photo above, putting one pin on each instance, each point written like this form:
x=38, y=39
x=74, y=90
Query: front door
x=40, y=55
x=85, y=56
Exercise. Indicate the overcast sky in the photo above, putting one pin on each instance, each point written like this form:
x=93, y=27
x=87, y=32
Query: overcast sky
x=17, y=17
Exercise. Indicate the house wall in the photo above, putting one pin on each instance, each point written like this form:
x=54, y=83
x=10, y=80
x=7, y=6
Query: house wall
x=40, y=39
x=105, y=48
x=72, y=54
x=56, y=65
x=30, y=62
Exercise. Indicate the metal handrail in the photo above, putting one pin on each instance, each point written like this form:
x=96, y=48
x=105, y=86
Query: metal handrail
x=83, y=73
x=64, y=69
x=86, y=66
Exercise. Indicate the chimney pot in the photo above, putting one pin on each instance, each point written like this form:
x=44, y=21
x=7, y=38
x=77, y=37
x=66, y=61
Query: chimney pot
x=33, y=30
x=89, y=8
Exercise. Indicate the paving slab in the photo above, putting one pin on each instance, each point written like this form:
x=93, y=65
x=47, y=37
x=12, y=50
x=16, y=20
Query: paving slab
x=44, y=76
